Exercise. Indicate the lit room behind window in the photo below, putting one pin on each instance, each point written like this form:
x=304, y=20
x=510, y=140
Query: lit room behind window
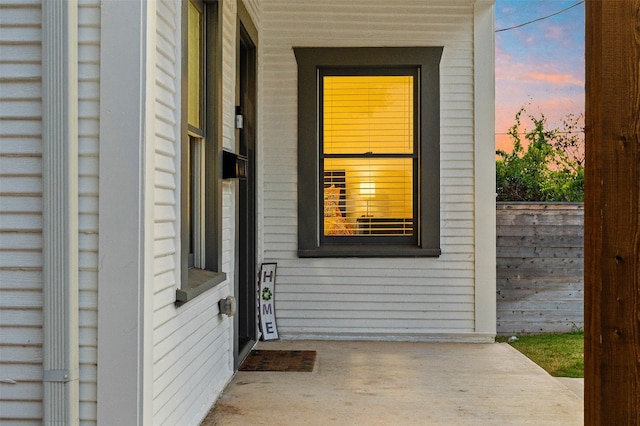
x=369, y=154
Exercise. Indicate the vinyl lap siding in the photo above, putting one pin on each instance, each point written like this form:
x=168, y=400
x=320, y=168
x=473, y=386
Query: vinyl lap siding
x=21, y=209
x=167, y=146
x=21, y=213
x=192, y=345
x=166, y=196
x=88, y=170
x=369, y=298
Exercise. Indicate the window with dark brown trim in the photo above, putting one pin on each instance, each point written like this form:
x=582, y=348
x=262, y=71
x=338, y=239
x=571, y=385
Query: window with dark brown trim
x=200, y=148
x=368, y=152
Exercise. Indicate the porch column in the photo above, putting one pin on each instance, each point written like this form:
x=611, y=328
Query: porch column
x=612, y=213
x=125, y=276
x=485, y=177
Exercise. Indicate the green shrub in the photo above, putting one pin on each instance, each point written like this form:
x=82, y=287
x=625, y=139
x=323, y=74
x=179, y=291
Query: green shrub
x=551, y=168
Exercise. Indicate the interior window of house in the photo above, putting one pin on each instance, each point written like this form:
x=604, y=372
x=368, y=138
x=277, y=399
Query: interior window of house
x=200, y=197
x=196, y=134
x=368, y=153
x=371, y=117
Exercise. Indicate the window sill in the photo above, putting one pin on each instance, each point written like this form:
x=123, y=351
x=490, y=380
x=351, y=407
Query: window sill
x=369, y=251
x=199, y=282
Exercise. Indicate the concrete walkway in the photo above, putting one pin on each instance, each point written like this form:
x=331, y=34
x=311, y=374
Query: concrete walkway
x=390, y=383
x=575, y=385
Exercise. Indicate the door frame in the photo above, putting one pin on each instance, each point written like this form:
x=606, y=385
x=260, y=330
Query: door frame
x=246, y=318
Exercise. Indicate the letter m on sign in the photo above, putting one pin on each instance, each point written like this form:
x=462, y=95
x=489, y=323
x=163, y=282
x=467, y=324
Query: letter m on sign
x=267, y=309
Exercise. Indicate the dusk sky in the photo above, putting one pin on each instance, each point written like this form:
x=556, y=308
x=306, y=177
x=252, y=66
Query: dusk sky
x=540, y=65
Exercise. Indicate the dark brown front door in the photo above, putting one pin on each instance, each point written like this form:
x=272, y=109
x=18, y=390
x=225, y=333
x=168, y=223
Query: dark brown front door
x=246, y=319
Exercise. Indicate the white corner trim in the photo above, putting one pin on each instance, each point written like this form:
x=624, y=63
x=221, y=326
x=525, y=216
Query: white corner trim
x=125, y=277
x=60, y=212
x=485, y=194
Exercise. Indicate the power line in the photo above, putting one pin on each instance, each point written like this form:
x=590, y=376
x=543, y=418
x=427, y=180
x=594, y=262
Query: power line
x=540, y=19
x=577, y=132
x=558, y=133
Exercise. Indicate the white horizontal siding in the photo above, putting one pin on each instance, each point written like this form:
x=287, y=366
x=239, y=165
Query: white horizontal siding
x=166, y=196
x=193, y=344
x=88, y=175
x=370, y=297
x=191, y=361
x=21, y=209
x=21, y=213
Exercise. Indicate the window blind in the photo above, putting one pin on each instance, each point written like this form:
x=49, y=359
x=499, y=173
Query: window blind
x=368, y=154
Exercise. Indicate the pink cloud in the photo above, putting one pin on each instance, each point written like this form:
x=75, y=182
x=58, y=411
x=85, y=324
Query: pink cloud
x=507, y=69
x=554, y=78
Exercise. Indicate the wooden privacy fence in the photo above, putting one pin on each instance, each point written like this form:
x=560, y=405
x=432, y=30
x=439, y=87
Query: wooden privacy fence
x=540, y=264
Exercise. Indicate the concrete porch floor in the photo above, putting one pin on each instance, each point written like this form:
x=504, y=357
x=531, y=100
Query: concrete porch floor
x=400, y=383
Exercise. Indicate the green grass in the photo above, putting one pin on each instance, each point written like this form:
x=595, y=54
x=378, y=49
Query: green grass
x=561, y=355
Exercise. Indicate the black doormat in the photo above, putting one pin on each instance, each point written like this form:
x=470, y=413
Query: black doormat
x=294, y=361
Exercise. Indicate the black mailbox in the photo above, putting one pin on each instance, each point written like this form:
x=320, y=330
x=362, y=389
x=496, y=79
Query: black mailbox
x=234, y=166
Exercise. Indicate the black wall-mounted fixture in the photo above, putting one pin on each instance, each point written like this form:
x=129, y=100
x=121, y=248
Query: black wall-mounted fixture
x=234, y=166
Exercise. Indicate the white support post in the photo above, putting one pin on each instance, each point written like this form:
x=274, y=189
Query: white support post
x=485, y=178
x=125, y=276
x=60, y=212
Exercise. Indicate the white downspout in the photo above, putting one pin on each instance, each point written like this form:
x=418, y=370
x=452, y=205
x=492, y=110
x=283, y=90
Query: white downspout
x=60, y=211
